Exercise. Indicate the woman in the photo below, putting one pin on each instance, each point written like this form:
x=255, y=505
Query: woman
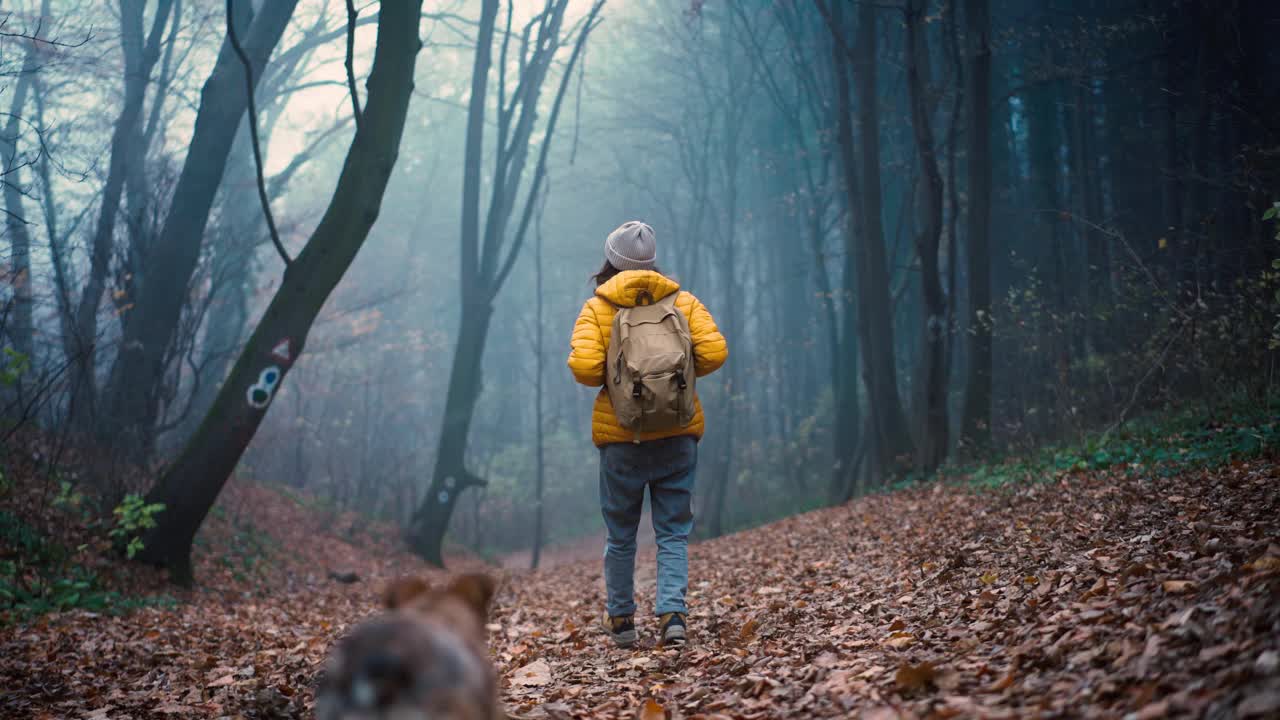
x=647, y=419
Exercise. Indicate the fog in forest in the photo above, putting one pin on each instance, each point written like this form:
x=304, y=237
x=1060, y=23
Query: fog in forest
x=931, y=231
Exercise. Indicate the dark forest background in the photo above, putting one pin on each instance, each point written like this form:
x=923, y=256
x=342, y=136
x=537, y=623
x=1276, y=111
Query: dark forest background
x=932, y=231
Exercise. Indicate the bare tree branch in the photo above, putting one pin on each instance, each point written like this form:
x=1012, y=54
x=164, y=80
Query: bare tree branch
x=253, y=136
x=352, y=15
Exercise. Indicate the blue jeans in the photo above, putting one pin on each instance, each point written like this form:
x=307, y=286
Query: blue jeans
x=666, y=466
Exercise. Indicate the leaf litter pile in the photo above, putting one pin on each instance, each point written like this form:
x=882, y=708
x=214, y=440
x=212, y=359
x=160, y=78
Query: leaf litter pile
x=1096, y=594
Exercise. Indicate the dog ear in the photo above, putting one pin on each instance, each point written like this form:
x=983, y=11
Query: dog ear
x=475, y=589
x=400, y=592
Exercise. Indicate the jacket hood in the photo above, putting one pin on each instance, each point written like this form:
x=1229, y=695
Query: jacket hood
x=625, y=288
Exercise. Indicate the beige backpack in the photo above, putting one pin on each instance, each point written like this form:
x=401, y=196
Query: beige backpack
x=650, y=372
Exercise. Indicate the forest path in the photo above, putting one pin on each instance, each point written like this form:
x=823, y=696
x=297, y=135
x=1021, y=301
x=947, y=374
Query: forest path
x=1095, y=595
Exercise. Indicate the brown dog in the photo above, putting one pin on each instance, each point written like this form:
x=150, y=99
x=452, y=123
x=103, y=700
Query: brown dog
x=424, y=659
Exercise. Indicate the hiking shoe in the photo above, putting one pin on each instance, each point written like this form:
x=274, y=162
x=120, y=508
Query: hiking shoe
x=673, y=628
x=622, y=628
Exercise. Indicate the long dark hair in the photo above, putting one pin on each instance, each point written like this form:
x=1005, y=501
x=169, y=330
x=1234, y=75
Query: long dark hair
x=607, y=271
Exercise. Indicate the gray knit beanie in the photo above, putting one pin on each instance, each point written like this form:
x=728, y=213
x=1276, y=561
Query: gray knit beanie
x=631, y=247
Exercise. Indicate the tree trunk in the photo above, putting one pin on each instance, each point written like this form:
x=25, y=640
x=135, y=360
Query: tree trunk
x=1097, y=285
x=57, y=239
x=190, y=487
x=875, y=321
x=976, y=425
x=845, y=379
x=426, y=532
x=132, y=395
x=722, y=476
x=126, y=150
x=484, y=269
x=451, y=477
x=1197, y=262
x=240, y=231
x=540, y=480
x=853, y=229
x=933, y=441
x=21, y=328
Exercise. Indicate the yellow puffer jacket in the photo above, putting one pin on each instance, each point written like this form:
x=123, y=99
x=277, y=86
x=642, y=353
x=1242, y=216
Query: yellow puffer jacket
x=591, y=340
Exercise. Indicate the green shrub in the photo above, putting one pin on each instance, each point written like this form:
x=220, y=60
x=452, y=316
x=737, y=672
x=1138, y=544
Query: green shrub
x=68, y=498
x=133, y=516
x=13, y=365
x=37, y=577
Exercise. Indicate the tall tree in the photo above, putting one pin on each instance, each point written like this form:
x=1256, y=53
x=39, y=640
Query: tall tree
x=189, y=488
x=21, y=328
x=133, y=393
x=976, y=423
x=127, y=155
x=488, y=257
x=865, y=236
x=739, y=85
x=540, y=433
x=933, y=440
x=800, y=106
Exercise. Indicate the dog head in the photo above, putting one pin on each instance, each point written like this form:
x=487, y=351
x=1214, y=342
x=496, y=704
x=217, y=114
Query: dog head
x=423, y=659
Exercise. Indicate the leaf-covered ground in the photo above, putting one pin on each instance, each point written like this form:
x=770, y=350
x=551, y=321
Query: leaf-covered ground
x=1095, y=594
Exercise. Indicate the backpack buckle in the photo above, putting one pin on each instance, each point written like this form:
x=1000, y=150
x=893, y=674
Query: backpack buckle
x=635, y=390
x=680, y=381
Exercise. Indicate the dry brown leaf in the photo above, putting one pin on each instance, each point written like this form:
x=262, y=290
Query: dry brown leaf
x=911, y=678
x=222, y=681
x=1002, y=684
x=844, y=633
x=900, y=640
x=537, y=672
x=1265, y=703
x=651, y=710
x=1153, y=711
x=1266, y=563
x=1177, y=587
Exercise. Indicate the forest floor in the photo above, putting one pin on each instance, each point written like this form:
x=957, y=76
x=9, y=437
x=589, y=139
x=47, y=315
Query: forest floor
x=1150, y=589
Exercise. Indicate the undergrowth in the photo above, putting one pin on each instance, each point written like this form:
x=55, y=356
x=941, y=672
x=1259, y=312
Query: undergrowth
x=1163, y=445
x=39, y=576
x=245, y=552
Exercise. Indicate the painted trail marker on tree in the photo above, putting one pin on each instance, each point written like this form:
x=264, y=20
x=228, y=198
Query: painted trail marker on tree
x=259, y=394
x=283, y=351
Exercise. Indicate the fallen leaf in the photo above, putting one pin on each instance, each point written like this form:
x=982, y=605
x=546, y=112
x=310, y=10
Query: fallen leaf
x=900, y=640
x=537, y=672
x=1153, y=711
x=910, y=678
x=1266, y=563
x=651, y=710
x=1259, y=704
x=1002, y=684
x=223, y=681
x=1267, y=663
